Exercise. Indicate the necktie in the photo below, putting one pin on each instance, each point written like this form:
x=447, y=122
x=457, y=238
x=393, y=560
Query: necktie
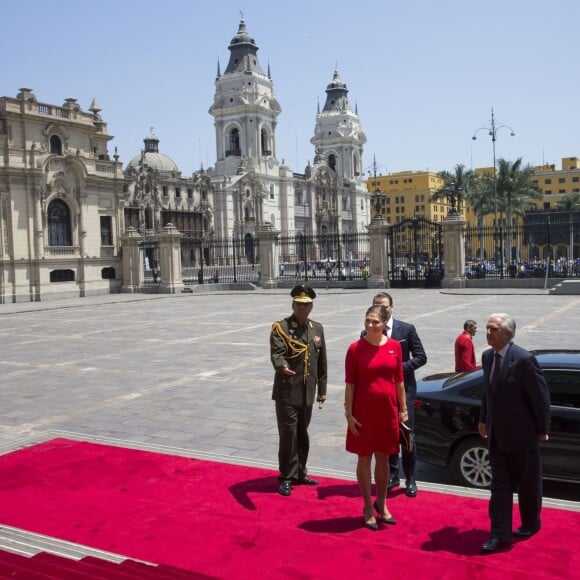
x=494, y=380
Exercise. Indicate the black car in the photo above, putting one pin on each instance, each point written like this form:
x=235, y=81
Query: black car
x=447, y=414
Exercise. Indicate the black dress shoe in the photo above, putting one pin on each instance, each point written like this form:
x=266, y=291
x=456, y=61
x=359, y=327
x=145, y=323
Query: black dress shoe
x=307, y=481
x=494, y=545
x=285, y=488
x=411, y=488
x=393, y=483
x=522, y=532
x=386, y=520
x=373, y=526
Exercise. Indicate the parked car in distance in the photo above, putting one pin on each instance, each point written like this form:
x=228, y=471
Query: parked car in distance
x=447, y=413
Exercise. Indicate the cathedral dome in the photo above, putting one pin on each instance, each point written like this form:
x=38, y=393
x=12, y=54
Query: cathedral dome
x=152, y=158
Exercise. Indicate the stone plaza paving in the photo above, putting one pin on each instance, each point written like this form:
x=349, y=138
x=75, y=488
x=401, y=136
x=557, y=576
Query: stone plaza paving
x=191, y=373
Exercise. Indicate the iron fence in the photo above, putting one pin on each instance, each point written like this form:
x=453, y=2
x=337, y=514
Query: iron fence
x=150, y=247
x=416, y=253
x=209, y=260
x=524, y=250
x=327, y=257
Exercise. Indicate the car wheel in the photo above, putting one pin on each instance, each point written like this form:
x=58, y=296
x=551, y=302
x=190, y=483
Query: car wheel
x=470, y=464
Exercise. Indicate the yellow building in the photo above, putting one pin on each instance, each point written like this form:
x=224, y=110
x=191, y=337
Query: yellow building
x=406, y=194
x=557, y=183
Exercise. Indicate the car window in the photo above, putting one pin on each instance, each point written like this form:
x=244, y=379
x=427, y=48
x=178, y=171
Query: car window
x=468, y=377
x=564, y=387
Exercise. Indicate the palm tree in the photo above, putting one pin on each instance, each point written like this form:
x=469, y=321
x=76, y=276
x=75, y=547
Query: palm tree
x=514, y=187
x=456, y=187
x=513, y=190
x=570, y=203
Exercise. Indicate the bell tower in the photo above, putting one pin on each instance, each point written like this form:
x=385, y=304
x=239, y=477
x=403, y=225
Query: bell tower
x=338, y=136
x=245, y=111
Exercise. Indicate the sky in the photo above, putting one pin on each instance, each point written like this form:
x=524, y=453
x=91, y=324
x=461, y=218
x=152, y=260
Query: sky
x=424, y=74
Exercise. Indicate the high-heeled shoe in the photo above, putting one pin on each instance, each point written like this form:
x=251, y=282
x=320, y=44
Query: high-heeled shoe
x=386, y=520
x=370, y=525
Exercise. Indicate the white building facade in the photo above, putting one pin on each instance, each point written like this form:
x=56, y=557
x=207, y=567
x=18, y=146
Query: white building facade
x=65, y=205
x=252, y=186
x=60, y=200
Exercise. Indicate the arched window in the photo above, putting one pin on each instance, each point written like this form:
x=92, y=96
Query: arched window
x=356, y=164
x=59, y=227
x=332, y=161
x=234, y=143
x=56, y=145
x=264, y=142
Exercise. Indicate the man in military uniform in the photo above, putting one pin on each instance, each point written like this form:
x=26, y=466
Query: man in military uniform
x=298, y=353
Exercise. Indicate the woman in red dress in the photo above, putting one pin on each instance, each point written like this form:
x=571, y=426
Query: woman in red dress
x=374, y=404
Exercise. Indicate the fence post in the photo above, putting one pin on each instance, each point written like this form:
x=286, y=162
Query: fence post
x=132, y=262
x=378, y=254
x=454, y=250
x=170, y=260
x=267, y=237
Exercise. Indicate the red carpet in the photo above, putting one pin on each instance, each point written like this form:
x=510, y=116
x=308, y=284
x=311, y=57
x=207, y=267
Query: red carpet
x=228, y=521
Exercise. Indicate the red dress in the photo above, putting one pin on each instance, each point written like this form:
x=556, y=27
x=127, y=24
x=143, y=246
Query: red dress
x=374, y=370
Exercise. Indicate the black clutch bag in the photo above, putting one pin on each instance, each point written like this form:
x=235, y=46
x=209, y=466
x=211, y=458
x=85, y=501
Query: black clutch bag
x=405, y=437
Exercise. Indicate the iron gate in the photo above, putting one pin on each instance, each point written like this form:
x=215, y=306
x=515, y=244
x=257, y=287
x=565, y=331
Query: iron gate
x=416, y=254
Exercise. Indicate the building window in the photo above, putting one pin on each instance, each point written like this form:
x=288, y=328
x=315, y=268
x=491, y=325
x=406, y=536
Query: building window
x=62, y=276
x=264, y=142
x=56, y=145
x=546, y=205
x=234, y=143
x=332, y=161
x=108, y=273
x=165, y=191
x=548, y=192
x=189, y=193
x=561, y=191
x=106, y=230
x=59, y=227
x=177, y=192
x=561, y=180
x=548, y=181
x=575, y=179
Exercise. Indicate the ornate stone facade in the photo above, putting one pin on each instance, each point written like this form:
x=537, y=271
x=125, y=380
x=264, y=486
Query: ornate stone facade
x=61, y=196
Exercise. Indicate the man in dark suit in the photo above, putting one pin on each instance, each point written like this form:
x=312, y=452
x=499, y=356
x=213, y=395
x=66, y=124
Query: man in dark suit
x=298, y=353
x=413, y=357
x=514, y=417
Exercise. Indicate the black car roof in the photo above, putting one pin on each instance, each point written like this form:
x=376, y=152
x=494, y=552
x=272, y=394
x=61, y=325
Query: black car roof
x=560, y=358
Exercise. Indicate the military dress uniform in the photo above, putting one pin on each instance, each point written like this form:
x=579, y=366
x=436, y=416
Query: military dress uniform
x=301, y=348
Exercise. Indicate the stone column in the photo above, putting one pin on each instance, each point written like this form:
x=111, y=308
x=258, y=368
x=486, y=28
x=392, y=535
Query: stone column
x=267, y=237
x=454, y=250
x=38, y=225
x=132, y=261
x=378, y=273
x=170, y=260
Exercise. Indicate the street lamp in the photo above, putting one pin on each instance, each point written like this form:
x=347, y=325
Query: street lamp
x=492, y=131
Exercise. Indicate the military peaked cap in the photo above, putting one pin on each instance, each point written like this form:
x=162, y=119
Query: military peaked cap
x=303, y=293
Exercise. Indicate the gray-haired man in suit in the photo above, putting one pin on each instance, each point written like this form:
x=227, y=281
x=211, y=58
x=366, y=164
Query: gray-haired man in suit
x=514, y=418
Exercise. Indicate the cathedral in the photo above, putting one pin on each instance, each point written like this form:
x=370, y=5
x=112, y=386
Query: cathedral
x=66, y=205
